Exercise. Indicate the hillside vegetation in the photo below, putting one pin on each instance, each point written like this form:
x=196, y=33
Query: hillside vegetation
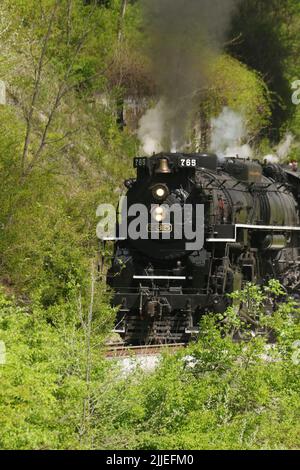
x=68, y=66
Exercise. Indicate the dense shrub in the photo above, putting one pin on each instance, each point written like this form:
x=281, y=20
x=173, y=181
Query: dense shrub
x=57, y=390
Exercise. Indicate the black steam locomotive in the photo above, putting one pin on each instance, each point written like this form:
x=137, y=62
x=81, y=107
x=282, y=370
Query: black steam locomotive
x=251, y=234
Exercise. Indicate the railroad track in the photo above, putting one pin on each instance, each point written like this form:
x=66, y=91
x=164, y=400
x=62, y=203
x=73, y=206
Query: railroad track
x=121, y=350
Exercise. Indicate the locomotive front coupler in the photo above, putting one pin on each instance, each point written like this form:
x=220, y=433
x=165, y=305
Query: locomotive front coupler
x=156, y=307
x=151, y=303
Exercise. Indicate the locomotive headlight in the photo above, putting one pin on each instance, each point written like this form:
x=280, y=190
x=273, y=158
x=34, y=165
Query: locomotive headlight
x=159, y=214
x=160, y=192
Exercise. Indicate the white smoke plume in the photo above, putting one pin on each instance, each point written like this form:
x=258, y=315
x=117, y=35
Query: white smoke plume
x=271, y=158
x=282, y=150
x=229, y=131
x=284, y=147
x=151, y=129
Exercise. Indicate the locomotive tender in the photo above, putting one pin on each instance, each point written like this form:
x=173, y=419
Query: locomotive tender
x=251, y=234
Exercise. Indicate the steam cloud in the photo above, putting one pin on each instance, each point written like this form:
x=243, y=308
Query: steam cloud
x=228, y=133
x=282, y=150
x=183, y=35
x=151, y=129
x=284, y=147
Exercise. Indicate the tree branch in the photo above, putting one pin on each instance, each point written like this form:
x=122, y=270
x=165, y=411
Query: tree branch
x=36, y=90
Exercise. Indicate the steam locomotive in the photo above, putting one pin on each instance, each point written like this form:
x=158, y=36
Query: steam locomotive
x=251, y=233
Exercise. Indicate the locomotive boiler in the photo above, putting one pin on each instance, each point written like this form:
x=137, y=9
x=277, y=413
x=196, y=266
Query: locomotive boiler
x=250, y=221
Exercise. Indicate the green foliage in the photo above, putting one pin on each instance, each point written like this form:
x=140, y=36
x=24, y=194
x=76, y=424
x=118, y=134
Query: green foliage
x=45, y=392
x=219, y=393
x=216, y=394
x=267, y=40
x=56, y=142
x=241, y=89
x=62, y=153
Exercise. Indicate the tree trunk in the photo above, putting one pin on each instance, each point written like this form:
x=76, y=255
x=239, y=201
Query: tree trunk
x=121, y=20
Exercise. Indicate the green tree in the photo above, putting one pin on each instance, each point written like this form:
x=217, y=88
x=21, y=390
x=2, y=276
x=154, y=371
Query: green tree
x=267, y=40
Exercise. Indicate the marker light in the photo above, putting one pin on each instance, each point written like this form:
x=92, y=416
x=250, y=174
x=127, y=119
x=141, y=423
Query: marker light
x=159, y=214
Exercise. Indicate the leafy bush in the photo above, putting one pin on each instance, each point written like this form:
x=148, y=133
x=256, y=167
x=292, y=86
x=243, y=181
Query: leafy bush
x=224, y=394
x=57, y=391
x=50, y=374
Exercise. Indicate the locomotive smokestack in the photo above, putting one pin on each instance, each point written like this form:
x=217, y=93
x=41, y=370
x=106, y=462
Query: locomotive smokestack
x=183, y=37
